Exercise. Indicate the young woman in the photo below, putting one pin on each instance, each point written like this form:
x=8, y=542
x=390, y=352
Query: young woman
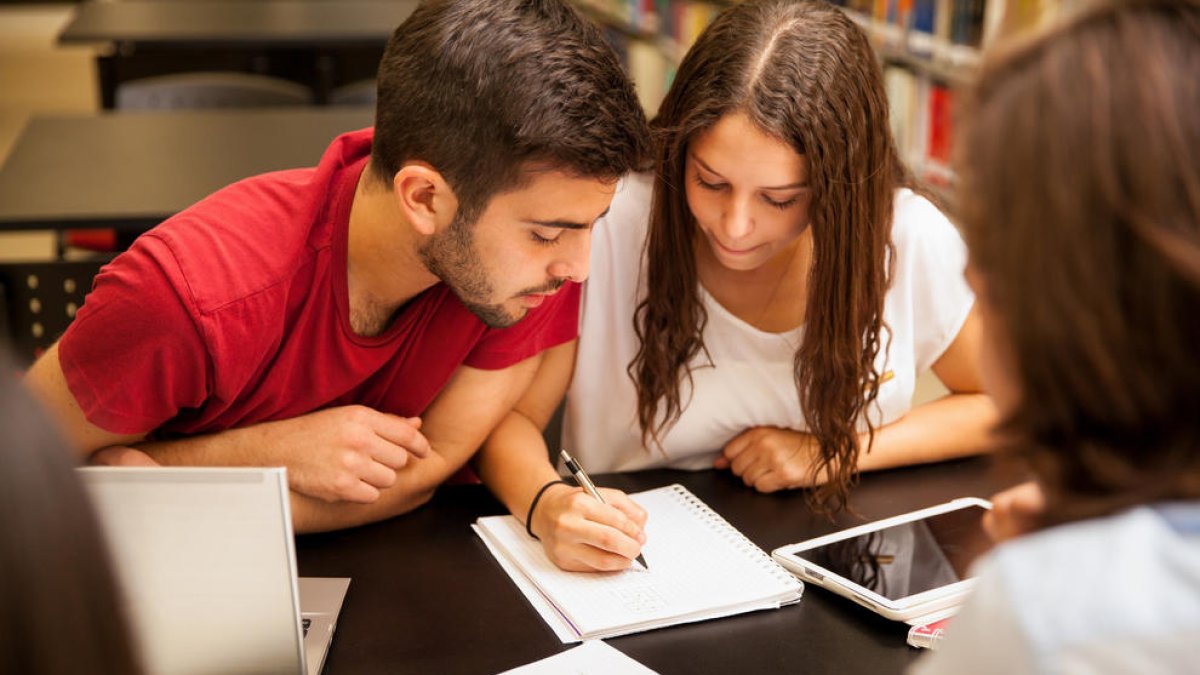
x=1081, y=206
x=763, y=302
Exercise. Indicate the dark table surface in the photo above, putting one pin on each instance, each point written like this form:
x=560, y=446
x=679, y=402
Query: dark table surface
x=133, y=170
x=427, y=597
x=233, y=23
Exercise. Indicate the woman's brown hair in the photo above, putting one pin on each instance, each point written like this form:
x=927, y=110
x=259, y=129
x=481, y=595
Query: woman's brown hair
x=804, y=74
x=1080, y=201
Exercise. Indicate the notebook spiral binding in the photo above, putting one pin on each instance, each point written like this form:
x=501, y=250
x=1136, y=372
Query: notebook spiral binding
x=746, y=547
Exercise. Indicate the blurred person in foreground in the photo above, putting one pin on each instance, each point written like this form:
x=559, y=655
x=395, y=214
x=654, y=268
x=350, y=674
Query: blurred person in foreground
x=1081, y=210
x=62, y=612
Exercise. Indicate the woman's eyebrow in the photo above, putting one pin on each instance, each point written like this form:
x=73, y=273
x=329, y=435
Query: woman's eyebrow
x=791, y=186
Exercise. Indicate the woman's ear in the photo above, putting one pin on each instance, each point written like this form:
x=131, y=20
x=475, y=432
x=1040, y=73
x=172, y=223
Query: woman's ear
x=424, y=197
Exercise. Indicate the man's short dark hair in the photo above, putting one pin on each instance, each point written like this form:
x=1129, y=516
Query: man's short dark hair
x=483, y=89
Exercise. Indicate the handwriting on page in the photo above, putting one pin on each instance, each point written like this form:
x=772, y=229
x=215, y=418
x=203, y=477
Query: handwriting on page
x=641, y=600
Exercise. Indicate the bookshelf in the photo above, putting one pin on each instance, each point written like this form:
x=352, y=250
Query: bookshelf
x=652, y=36
x=928, y=49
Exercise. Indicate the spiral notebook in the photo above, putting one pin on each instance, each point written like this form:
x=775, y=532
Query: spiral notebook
x=701, y=567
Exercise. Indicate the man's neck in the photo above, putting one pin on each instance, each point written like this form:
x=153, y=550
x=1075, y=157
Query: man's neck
x=383, y=267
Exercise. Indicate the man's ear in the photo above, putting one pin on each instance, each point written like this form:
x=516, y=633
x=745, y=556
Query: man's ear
x=424, y=197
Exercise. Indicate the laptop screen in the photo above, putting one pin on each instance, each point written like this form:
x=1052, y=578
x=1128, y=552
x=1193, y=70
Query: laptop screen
x=207, y=563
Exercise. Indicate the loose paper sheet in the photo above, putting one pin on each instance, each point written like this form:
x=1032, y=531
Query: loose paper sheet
x=593, y=657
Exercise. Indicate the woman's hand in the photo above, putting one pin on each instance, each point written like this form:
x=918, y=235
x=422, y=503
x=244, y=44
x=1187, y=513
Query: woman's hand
x=580, y=534
x=769, y=459
x=1015, y=512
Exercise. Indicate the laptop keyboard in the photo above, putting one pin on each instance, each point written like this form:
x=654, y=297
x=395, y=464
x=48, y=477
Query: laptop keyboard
x=305, y=623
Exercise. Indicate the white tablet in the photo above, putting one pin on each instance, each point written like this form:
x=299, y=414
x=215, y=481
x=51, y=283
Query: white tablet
x=912, y=567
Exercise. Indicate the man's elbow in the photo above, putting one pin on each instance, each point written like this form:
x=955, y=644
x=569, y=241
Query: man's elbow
x=420, y=498
x=310, y=515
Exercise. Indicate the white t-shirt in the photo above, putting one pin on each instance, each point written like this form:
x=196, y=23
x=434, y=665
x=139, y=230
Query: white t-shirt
x=750, y=381
x=1111, y=595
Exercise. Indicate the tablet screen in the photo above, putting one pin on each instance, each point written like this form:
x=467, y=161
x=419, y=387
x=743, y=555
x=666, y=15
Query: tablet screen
x=909, y=558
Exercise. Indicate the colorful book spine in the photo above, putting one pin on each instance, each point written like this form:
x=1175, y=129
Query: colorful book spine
x=940, y=132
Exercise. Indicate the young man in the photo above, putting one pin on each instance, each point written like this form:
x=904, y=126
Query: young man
x=367, y=322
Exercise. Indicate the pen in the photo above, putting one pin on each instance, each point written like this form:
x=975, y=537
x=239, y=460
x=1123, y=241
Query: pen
x=590, y=487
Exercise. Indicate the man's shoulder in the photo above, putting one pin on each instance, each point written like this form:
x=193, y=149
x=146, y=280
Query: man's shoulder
x=246, y=237
x=262, y=231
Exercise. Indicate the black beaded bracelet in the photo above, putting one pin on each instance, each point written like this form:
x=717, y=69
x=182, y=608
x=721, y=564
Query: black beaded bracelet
x=534, y=503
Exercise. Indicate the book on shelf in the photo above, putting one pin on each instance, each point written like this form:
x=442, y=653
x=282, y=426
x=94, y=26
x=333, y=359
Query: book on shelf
x=651, y=70
x=700, y=568
x=941, y=132
x=652, y=37
x=922, y=123
x=947, y=32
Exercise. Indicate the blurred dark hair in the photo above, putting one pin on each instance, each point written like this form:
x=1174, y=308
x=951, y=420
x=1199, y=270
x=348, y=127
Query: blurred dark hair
x=806, y=75
x=484, y=90
x=1081, y=208
x=62, y=609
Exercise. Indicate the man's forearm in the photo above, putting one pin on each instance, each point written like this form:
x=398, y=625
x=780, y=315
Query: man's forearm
x=415, y=485
x=246, y=446
x=315, y=515
x=258, y=445
x=249, y=446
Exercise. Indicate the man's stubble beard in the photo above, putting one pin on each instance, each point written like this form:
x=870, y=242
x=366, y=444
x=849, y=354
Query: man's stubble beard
x=451, y=256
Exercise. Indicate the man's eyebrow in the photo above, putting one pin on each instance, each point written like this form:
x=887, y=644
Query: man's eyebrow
x=791, y=186
x=566, y=224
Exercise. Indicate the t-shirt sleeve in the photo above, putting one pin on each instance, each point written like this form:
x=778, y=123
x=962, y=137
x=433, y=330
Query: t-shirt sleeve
x=931, y=259
x=134, y=357
x=554, y=322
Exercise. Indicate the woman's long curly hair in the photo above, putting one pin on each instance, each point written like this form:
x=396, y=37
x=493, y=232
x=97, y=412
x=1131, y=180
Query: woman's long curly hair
x=805, y=74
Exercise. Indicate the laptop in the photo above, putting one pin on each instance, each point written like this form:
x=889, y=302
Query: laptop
x=207, y=562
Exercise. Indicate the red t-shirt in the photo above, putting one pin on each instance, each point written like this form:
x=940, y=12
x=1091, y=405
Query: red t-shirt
x=235, y=311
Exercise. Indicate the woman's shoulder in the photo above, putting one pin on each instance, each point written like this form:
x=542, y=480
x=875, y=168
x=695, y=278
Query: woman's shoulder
x=633, y=195
x=641, y=182
x=916, y=219
x=623, y=227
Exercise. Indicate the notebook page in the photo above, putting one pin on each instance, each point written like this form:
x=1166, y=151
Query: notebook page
x=700, y=567
x=563, y=630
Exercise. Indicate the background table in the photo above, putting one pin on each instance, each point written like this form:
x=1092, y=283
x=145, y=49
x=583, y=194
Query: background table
x=133, y=170
x=427, y=597
x=321, y=43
